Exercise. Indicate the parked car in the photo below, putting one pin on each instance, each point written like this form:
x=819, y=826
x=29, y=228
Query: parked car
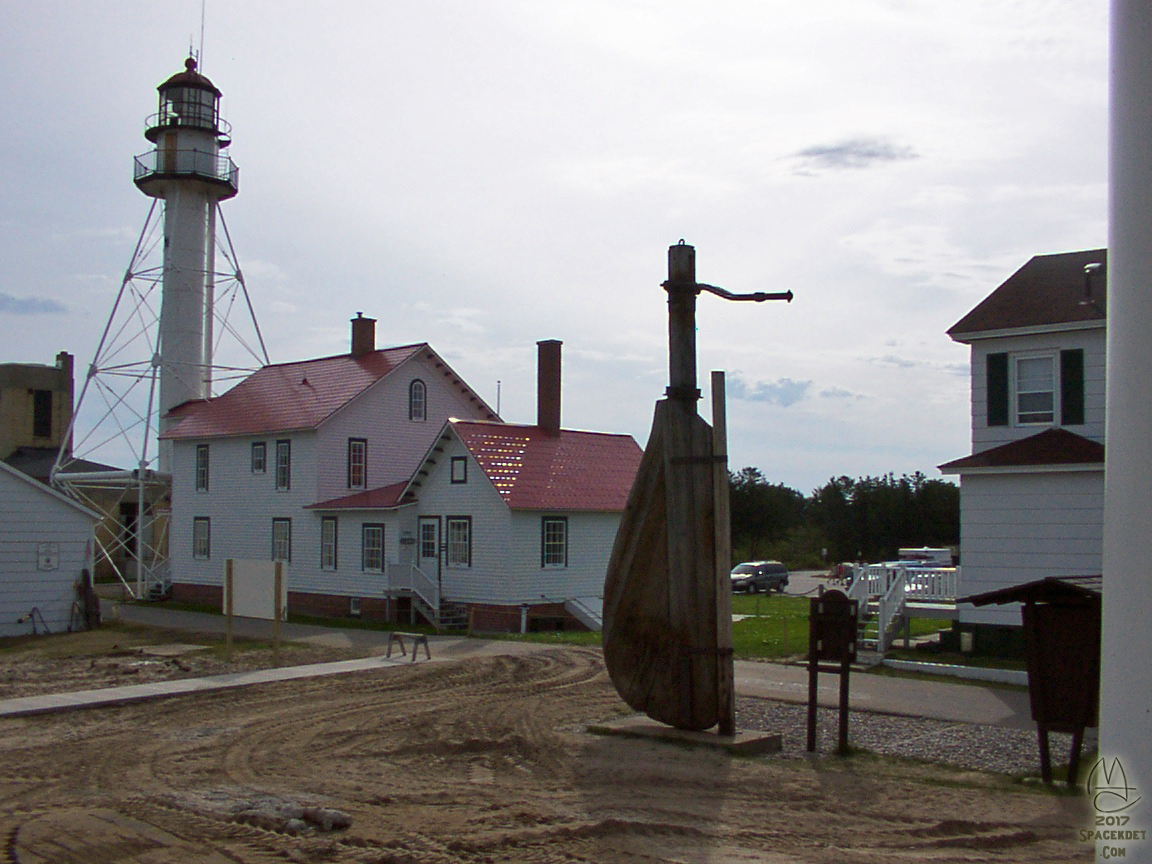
x=754, y=576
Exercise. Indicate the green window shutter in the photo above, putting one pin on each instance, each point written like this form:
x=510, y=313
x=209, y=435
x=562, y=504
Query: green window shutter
x=1072, y=387
x=997, y=389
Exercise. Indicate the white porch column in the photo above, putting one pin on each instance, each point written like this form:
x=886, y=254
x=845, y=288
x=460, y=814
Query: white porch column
x=1126, y=674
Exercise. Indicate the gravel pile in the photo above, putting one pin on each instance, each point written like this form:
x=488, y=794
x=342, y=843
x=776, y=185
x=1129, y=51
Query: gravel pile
x=964, y=745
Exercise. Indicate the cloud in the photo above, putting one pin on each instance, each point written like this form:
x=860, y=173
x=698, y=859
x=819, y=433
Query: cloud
x=839, y=393
x=10, y=305
x=900, y=362
x=782, y=391
x=855, y=153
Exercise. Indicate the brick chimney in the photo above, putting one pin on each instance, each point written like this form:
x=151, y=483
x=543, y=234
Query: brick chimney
x=363, y=335
x=548, y=385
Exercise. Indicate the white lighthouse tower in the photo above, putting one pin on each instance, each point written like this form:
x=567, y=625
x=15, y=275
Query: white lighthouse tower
x=190, y=172
x=178, y=313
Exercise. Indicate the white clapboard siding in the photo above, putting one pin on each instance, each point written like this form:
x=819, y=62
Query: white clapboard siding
x=1018, y=528
x=349, y=578
x=396, y=444
x=985, y=437
x=240, y=504
x=487, y=580
x=590, y=539
x=31, y=514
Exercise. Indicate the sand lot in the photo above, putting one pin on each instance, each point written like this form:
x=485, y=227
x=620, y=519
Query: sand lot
x=482, y=759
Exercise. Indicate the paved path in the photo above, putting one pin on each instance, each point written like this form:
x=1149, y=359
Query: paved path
x=966, y=703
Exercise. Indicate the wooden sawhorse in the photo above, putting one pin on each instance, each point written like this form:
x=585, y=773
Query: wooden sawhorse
x=418, y=639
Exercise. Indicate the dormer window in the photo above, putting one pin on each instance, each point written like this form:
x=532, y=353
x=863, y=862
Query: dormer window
x=417, y=401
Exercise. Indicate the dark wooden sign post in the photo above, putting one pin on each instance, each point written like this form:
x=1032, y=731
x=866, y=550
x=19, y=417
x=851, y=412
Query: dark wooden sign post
x=1062, y=627
x=667, y=601
x=832, y=639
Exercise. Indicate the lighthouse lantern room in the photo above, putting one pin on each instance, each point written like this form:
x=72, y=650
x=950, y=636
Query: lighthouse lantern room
x=189, y=171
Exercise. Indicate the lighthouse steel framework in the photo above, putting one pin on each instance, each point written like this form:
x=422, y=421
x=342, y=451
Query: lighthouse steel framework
x=190, y=173
x=157, y=352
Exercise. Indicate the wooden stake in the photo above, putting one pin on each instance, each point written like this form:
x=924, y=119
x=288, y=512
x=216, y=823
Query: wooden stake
x=725, y=674
x=278, y=609
x=228, y=596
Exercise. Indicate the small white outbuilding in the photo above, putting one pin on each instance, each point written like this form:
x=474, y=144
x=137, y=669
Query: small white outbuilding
x=45, y=545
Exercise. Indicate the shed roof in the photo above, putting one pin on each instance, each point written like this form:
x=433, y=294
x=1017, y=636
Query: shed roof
x=288, y=397
x=1050, y=447
x=38, y=462
x=1053, y=589
x=381, y=498
x=1048, y=291
x=535, y=470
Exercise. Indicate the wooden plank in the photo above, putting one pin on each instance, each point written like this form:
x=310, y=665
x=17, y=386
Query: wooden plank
x=725, y=673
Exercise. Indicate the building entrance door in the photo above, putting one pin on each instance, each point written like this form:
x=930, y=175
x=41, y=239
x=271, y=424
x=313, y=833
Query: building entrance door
x=428, y=547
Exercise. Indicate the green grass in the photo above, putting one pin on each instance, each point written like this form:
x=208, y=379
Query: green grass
x=776, y=630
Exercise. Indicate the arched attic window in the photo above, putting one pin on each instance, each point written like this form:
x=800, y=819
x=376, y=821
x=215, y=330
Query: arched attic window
x=417, y=400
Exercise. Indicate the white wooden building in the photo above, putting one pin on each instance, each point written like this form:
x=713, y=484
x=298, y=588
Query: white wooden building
x=45, y=545
x=1032, y=490
x=341, y=467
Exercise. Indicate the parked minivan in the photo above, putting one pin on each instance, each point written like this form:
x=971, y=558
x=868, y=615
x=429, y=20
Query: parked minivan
x=754, y=576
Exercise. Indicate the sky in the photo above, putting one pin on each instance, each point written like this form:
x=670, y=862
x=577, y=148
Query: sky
x=483, y=175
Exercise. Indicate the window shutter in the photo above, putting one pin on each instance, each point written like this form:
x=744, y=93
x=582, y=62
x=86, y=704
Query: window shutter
x=1072, y=387
x=997, y=390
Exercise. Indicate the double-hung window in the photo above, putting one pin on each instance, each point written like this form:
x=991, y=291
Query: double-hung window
x=1034, y=389
x=281, y=539
x=259, y=457
x=283, y=465
x=554, y=541
x=357, y=463
x=372, y=548
x=201, y=467
x=459, y=530
x=328, y=537
x=202, y=537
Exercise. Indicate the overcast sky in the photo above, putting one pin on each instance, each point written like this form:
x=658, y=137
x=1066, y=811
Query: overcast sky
x=482, y=175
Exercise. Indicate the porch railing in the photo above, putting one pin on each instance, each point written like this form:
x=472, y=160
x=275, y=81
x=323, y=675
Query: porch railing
x=409, y=577
x=890, y=588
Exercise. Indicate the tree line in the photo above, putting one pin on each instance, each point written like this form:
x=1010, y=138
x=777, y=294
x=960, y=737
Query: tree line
x=846, y=519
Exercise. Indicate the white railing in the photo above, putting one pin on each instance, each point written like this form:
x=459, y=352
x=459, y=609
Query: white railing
x=409, y=577
x=891, y=587
x=890, y=607
x=876, y=579
x=927, y=584
x=933, y=584
x=858, y=589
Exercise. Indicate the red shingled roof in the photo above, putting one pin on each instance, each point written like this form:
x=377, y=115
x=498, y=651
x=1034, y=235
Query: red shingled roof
x=1047, y=291
x=288, y=396
x=385, y=497
x=533, y=470
x=1050, y=447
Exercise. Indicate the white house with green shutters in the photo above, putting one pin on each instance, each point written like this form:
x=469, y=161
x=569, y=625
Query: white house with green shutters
x=1032, y=490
